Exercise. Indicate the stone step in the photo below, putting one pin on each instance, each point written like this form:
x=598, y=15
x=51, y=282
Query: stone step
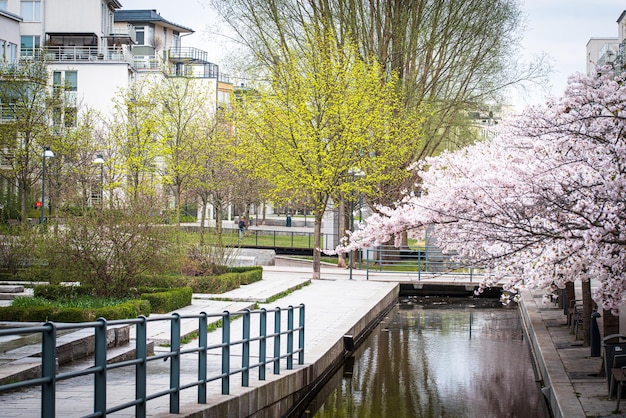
x=25, y=362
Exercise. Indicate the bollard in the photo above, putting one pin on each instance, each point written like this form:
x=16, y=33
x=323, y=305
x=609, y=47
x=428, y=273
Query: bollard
x=595, y=335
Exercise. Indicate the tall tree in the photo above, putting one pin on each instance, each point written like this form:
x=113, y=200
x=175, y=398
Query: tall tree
x=451, y=56
x=187, y=106
x=326, y=114
x=26, y=126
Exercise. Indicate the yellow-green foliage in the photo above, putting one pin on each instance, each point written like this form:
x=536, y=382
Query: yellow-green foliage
x=327, y=112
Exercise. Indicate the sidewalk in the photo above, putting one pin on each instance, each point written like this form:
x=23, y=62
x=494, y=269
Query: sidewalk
x=570, y=375
x=333, y=305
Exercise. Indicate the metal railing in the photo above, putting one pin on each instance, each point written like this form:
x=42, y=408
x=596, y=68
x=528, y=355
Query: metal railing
x=425, y=260
x=266, y=341
x=71, y=53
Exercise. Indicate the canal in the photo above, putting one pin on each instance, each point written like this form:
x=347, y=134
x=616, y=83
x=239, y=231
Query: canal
x=438, y=357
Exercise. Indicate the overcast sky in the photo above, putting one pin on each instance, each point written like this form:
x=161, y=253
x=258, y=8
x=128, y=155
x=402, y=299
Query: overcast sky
x=560, y=28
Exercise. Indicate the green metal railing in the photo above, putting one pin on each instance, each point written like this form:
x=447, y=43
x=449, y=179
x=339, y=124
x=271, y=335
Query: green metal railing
x=50, y=376
x=427, y=261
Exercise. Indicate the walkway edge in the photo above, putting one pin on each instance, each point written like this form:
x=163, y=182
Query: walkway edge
x=277, y=395
x=557, y=387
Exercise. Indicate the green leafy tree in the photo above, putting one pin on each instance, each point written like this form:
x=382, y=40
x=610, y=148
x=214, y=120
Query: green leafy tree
x=451, y=56
x=326, y=112
x=26, y=128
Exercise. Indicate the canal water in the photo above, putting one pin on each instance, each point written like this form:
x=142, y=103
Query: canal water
x=438, y=357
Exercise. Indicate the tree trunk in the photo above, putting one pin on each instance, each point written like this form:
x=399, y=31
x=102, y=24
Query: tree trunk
x=587, y=309
x=317, y=234
x=341, y=257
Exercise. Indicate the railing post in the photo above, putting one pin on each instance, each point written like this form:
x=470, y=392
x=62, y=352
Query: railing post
x=175, y=364
x=301, y=336
x=245, y=354
x=202, y=353
x=100, y=362
x=277, y=341
x=141, y=353
x=290, y=337
x=225, y=353
x=380, y=258
x=419, y=267
x=48, y=370
x=262, y=342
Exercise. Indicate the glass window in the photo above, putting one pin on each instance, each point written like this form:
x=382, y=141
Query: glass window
x=29, y=44
x=31, y=10
x=71, y=80
x=3, y=4
x=139, y=35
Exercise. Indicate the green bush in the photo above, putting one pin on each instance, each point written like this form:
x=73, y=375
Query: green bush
x=57, y=292
x=236, y=277
x=126, y=310
x=170, y=300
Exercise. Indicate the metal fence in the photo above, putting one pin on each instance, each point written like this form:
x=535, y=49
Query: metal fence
x=423, y=261
x=281, y=341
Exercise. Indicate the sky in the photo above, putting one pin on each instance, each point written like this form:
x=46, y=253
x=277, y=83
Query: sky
x=559, y=28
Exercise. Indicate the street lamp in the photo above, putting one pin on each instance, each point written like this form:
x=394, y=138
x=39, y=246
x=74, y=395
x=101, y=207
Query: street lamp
x=100, y=161
x=354, y=173
x=47, y=153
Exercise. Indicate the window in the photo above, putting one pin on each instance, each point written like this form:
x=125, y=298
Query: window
x=3, y=4
x=31, y=10
x=140, y=35
x=28, y=45
x=71, y=80
x=65, y=86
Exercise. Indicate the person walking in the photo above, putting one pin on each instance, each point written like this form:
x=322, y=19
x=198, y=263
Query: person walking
x=242, y=227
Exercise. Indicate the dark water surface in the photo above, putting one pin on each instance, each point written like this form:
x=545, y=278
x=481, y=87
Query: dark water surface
x=438, y=357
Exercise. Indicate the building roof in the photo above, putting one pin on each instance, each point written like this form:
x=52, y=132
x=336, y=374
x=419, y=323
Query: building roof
x=147, y=16
x=11, y=15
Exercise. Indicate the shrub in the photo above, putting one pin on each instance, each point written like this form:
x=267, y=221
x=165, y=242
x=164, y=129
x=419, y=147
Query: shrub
x=170, y=300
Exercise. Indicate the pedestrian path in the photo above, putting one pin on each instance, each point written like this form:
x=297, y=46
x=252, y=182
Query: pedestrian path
x=573, y=378
x=333, y=305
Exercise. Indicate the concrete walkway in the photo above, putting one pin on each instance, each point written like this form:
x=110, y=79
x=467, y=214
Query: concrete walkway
x=333, y=305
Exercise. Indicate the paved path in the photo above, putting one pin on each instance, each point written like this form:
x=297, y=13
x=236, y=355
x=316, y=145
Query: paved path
x=333, y=304
x=329, y=312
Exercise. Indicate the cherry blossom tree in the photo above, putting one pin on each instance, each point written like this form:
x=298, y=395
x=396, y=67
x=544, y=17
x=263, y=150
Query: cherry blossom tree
x=541, y=205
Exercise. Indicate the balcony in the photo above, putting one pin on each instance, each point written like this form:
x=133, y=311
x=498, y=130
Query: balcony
x=188, y=56
x=80, y=54
x=122, y=35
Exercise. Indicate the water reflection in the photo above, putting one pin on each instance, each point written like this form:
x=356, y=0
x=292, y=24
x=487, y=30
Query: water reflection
x=438, y=358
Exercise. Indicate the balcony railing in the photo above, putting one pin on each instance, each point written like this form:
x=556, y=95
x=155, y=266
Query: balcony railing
x=80, y=54
x=188, y=55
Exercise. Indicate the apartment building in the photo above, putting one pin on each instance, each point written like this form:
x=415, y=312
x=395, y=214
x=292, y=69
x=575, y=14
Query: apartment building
x=611, y=51
x=94, y=48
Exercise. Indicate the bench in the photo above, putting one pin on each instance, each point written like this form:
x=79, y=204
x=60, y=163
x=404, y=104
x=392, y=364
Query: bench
x=619, y=377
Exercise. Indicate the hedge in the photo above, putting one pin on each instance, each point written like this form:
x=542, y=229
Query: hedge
x=170, y=300
x=126, y=310
x=236, y=277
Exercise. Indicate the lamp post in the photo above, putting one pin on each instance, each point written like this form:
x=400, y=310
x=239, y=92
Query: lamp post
x=47, y=153
x=100, y=161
